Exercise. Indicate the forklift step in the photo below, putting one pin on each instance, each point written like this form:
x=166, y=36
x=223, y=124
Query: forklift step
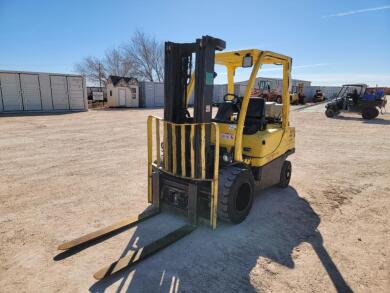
x=136, y=256
x=93, y=236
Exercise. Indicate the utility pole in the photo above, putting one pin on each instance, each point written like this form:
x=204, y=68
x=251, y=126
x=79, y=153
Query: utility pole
x=100, y=80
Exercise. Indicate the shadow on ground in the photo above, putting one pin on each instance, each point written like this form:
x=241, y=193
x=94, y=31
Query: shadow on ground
x=379, y=121
x=124, y=109
x=222, y=260
x=29, y=114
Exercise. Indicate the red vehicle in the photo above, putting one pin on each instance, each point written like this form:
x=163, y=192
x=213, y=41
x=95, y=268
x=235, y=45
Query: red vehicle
x=264, y=90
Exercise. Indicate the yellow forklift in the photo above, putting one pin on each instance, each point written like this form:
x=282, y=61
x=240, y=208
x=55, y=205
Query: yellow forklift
x=202, y=166
x=297, y=96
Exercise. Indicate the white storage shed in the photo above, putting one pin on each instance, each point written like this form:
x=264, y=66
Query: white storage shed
x=122, y=92
x=41, y=92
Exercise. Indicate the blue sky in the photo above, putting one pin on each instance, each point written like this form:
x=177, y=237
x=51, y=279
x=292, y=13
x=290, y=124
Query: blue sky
x=331, y=42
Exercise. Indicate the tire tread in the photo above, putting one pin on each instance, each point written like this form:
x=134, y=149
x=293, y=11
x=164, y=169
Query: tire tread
x=227, y=177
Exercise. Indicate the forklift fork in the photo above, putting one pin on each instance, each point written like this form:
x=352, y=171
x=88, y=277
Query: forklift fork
x=104, y=232
x=142, y=253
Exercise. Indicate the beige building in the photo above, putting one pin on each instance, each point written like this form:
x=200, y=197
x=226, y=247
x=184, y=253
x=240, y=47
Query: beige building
x=122, y=92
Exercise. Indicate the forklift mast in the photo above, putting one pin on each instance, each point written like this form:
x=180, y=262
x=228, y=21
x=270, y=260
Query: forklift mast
x=178, y=67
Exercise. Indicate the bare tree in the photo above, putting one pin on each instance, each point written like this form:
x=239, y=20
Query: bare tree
x=116, y=63
x=142, y=57
x=92, y=68
x=146, y=54
x=159, y=62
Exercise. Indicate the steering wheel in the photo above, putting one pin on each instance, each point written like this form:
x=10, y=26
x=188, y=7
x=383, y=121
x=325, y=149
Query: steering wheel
x=236, y=99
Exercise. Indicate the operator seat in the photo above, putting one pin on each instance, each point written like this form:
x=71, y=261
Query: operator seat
x=255, y=116
x=225, y=111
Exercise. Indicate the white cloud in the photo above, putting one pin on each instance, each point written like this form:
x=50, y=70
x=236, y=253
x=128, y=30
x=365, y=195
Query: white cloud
x=357, y=11
x=311, y=65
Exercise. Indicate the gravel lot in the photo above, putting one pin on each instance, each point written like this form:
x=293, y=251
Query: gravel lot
x=64, y=175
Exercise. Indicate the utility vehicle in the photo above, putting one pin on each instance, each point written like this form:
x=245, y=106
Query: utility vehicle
x=358, y=98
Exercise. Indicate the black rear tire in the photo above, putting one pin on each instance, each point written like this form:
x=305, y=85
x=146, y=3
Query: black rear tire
x=235, y=193
x=330, y=113
x=285, y=174
x=370, y=113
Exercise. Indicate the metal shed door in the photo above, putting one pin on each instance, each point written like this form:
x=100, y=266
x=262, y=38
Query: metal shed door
x=76, y=93
x=1, y=99
x=148, y=92
x=10, y=90
x=159, y=95
x=31, y=92
x=59, y=92
x=133, y=99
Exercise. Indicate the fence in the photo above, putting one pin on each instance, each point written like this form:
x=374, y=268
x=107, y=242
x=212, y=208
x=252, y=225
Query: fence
x=329, y=91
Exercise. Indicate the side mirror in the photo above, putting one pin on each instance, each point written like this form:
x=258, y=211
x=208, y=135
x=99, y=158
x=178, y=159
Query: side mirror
x=247, y=61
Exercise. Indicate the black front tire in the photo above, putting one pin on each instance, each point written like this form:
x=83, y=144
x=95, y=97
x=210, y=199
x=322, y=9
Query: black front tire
x=330, y=113
x=235, y=193
x=370, y=113
x=285, y=174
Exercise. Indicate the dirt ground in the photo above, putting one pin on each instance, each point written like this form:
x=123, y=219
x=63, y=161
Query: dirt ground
x=64, y=175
